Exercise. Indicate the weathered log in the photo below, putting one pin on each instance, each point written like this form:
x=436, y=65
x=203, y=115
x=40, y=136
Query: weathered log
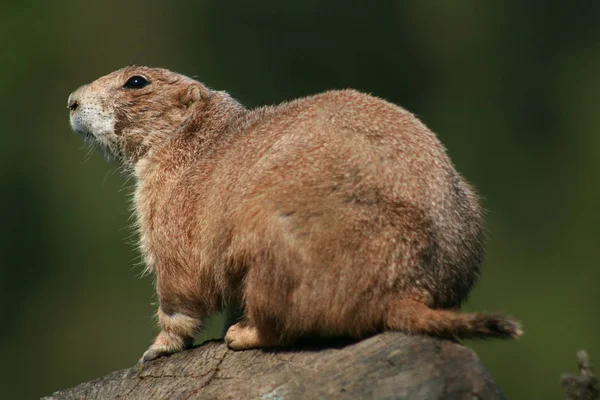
x=386, y=366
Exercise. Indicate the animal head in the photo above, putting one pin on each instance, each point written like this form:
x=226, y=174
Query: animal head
x=129, y=111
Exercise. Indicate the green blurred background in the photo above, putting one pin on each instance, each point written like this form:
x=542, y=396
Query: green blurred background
x=511, y=88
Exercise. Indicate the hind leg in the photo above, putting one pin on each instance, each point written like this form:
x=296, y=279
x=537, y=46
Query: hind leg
x=265, y=322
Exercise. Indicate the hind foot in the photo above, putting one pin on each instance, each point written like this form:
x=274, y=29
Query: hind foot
x=243, y=336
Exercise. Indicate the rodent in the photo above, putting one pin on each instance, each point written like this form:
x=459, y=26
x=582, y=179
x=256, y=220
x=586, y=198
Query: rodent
x=334, y=214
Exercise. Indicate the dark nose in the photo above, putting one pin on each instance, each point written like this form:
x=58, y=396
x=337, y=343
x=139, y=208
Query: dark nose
x=72, y=103
x=75, y=99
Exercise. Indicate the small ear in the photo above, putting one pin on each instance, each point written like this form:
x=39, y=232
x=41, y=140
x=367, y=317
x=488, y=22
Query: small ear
x=193, y=94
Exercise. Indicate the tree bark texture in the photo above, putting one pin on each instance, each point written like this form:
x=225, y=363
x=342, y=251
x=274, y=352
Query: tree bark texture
x=390, y=365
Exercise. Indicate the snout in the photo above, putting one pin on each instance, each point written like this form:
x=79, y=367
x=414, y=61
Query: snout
x=89, y=115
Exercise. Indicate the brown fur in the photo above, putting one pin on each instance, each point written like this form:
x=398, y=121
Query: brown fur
x=335, y=214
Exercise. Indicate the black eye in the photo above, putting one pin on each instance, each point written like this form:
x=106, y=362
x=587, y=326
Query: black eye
x=136, y=82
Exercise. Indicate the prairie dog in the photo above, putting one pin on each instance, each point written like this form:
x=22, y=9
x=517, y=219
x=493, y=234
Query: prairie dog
x=334, y=214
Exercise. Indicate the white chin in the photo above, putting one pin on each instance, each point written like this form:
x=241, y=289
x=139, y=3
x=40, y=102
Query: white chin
x=92, y=127
x=80, y=128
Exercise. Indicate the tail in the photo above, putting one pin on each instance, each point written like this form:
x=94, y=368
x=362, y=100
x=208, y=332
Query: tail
x=414, y=317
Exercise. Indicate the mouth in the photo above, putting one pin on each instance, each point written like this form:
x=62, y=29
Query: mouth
x=94, y=126
x=80, y=128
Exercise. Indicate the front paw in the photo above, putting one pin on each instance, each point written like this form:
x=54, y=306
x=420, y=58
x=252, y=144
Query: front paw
x=155, y=352
x=165, y=344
